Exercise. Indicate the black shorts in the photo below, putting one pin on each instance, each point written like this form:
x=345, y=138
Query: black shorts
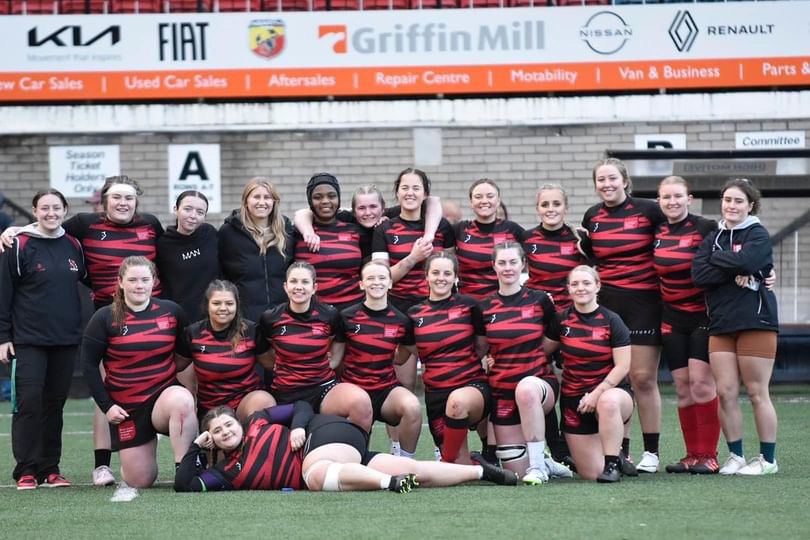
x=504, y=411
x=436, y=404
x=328, y=429
x=640, y=311
x=313, y=395
x=682, y=342
x=577, y=423
x=136, y=430
x=378, y=398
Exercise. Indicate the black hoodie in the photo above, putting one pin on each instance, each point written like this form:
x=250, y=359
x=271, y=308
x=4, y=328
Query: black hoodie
x=187, y=264
x=725, y=254
x=259, y=278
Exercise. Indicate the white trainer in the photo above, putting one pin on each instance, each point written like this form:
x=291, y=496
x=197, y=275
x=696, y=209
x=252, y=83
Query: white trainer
x=535, y=477
x=648, y=463
x=103, y=476
x=733, y=464
x=557, y=469
x=758, y=467
x=437, y=453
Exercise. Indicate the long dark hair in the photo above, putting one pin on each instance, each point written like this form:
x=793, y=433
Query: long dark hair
x=49, y=191
x=238, y=327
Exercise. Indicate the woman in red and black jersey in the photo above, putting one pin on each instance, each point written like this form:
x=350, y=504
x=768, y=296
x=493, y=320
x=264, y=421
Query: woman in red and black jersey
x=524, y=388
x=684, y=327
x=450, y=342
x=372, y=331
x=476, y=239
x=304, y=352
x=288, y=446
x=40, y=329
x=402, y=242
x=135, y=339
x=622, y=232
x=595, y=345
x=552, y=248
x=107, y=238
x=224, y=349
x=338, y=259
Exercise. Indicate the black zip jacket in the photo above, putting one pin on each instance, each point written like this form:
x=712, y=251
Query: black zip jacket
x=39, y=294
x=258, y=278
x=724, y=254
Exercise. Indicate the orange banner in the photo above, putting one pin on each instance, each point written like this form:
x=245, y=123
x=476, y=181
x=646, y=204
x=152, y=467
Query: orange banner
x=421, y=80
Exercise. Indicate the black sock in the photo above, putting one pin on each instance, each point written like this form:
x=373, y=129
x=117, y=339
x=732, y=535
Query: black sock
x=651, y=442
x=483, y=445
x=103, y=457
x=489, y=453
x=176, y=466
x=626, y=447
x=612, y=459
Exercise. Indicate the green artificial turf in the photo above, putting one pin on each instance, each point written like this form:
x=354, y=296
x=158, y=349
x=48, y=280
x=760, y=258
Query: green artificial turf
x=651, y=506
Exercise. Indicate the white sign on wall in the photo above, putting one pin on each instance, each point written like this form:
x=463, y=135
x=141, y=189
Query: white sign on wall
x=195, y=167
x=661, y=141
x=77, y=171
x=750, y=140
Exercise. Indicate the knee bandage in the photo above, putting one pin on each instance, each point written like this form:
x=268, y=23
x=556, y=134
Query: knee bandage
x=331, y=480
x=510, y=452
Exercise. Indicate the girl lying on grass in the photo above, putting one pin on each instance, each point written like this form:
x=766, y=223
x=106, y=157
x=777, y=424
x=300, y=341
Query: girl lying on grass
x=288, y=446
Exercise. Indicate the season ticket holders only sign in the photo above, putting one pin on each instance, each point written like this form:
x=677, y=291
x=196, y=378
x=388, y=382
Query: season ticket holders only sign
x=407, y=52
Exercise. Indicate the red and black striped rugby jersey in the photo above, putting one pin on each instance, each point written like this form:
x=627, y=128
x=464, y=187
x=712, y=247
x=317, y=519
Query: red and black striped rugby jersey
x=622, y=242
x=337, y=263
x=587, y=341
x=551, y=256
x=138, y=357
x=301, y=343
x=224, y=374
x=371, y=338
x=445, y=332
x=675, y=247
x=396, y=237
x=474, y=246
x=515, y=327
x=106, y=244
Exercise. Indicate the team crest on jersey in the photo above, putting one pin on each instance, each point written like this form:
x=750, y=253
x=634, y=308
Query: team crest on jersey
x=39, y=267
x=666, y=328
x=267, y=37
x=164, y=322
x=143, y=235
x=390, y=330
x=454, y=313
x=567, y=249
x=631, y=223
x=319, y=330
x=599, y=333
x=498, y=239
x=345, y=237
x=736, y=247
x=685, y=242
x=527, y=312
x=73, y=266
x=126, y=430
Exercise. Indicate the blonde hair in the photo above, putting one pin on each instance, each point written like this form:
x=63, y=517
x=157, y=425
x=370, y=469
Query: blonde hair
x=367, y=189
x=119, y=305
x=558, y=187
x=588, y=270
x=276, y=235
x=676, y=180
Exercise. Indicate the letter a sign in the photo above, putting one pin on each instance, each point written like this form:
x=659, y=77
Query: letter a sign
x=195, y=167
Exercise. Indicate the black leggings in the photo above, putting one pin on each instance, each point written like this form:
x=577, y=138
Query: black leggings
x=41, y=379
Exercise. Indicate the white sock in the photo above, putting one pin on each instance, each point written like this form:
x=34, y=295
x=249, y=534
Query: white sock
x=480, y=471
x=405, y=453
x=385, y=481
x=537, y=456
x=395, y=448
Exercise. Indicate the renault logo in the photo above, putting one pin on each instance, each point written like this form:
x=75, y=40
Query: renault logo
x=683, y=30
